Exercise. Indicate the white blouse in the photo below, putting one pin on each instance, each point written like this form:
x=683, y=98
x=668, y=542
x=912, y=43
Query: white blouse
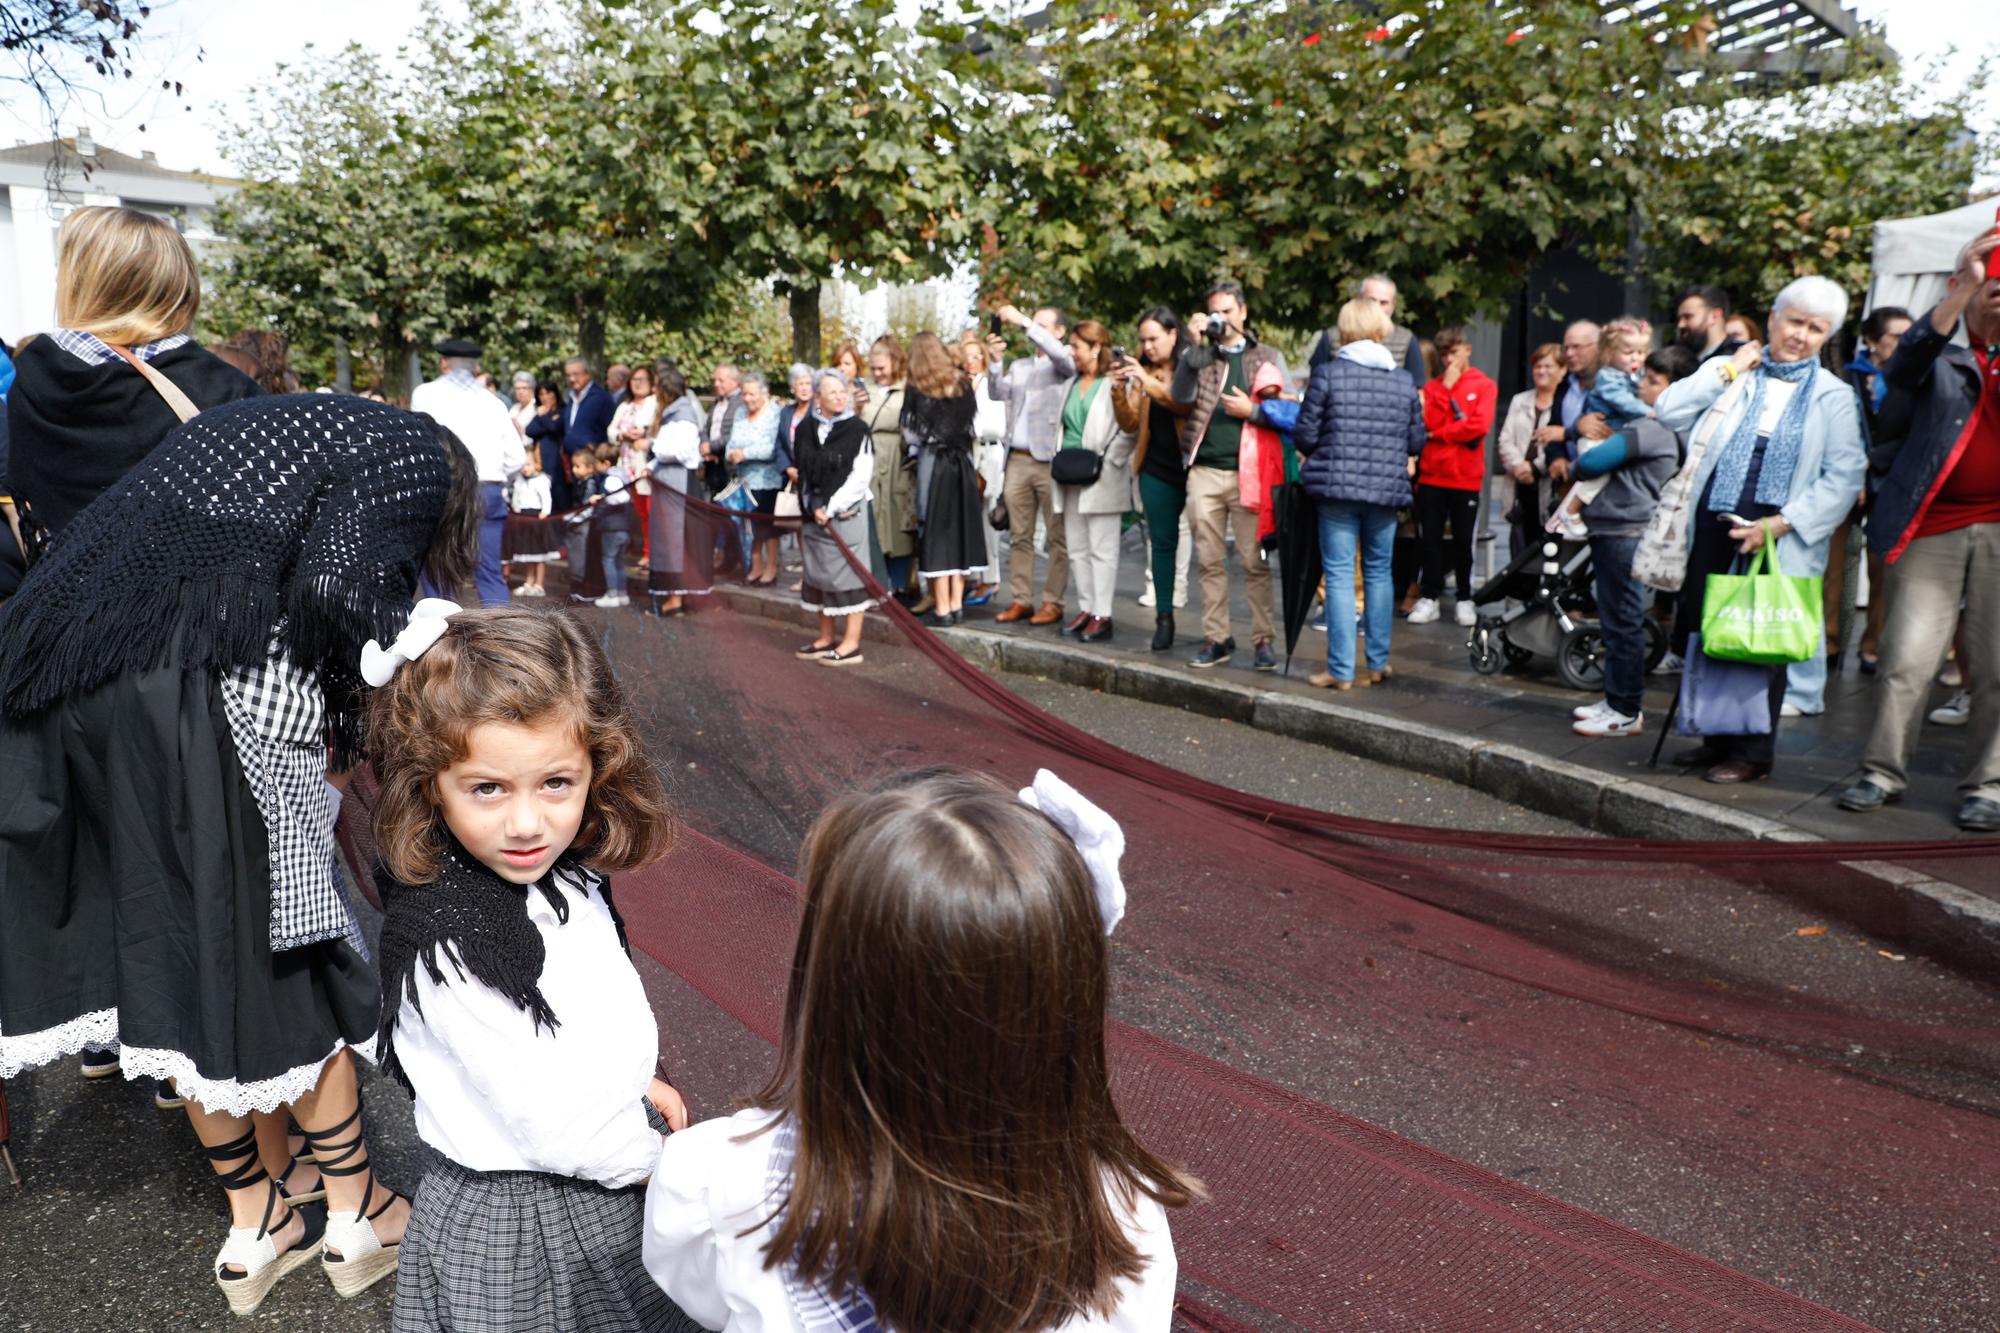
x=496, y=1093
x=709, y=1187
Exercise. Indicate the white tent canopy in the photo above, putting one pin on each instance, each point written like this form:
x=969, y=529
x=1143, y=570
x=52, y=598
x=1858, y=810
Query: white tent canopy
x=1914, y=256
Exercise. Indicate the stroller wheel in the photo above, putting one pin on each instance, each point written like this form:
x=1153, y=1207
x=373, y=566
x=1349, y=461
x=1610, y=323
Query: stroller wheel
x=1580, y=660
x=1484, y=651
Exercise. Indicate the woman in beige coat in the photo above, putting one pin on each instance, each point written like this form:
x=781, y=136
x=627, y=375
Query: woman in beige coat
x=1102, y=414
x=895, y=479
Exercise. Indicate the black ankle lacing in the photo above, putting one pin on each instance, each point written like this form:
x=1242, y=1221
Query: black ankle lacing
x=248, y=1173
x=333, y=1160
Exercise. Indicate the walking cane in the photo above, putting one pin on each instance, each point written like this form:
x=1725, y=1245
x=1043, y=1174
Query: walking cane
x=6, y=1132
x=1673, y=711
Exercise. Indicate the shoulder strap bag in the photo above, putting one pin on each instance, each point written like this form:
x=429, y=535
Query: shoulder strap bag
x=1660, y=559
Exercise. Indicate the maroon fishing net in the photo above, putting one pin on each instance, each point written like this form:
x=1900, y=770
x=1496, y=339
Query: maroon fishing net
x=1418, y=1069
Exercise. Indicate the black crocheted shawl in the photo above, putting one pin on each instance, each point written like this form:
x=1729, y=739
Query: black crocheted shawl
x=477, y=923
x=826, y=454
x=313, y=509
x=941, y=423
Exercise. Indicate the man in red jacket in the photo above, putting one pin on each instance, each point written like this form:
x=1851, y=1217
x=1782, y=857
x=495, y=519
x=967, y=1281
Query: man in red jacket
x=1458, y=413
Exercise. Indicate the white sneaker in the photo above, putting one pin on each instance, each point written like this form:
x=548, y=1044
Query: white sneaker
x=1590, y=710
x=1610, y=722
x=1146, y=598
x=1790, y=710
x=1956, y=712
x=1670, y=665
x=613, y=599
x=1468, y=614
x=1425, y=612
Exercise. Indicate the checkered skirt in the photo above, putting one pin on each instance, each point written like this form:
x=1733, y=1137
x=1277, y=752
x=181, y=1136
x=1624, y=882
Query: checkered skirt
x=525, y=1252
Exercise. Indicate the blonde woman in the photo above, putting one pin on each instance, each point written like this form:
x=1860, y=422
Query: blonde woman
x=81, y=413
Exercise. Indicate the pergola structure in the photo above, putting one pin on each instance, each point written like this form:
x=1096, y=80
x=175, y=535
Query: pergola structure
x=1772, y=38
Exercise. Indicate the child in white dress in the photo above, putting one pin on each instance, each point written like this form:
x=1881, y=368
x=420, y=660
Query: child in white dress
x=513, y=781
x=938, y=1148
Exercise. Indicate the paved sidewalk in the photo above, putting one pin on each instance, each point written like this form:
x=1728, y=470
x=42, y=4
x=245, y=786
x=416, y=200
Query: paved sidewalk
x=1530, y=707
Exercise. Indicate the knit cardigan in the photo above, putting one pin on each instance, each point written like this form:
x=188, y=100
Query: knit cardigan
x=313, y=510
x=78, y=428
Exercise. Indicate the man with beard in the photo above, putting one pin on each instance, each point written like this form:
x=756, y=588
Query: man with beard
x=1700, y=317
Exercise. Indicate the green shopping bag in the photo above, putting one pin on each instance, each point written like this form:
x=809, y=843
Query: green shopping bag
x=1765, y=616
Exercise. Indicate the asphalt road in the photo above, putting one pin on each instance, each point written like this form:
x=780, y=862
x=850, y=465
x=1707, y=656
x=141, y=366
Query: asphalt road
x=118, y=1217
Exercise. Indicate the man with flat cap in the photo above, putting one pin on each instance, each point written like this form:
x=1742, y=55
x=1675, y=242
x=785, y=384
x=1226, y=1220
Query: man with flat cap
x=457, y=401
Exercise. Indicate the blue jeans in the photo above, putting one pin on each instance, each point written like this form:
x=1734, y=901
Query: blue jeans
x=1621, y=615
x=1344, y=525
x=492, y=584
x=611, y=546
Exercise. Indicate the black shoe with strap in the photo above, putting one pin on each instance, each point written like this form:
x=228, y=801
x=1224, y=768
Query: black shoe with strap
x=355, y=1258
x=249, y=1264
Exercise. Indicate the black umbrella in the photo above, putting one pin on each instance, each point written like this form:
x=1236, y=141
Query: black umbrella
x=1299, y=562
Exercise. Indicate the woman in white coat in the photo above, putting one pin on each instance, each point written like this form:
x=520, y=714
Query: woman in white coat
x=1776, y=454
x=1092, y=472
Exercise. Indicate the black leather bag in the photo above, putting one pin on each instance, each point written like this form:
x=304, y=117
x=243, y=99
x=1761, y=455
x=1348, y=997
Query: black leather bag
x=997, y=518
x=1076, y=467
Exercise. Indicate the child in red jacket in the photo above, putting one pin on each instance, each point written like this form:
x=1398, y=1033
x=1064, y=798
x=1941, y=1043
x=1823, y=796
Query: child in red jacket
x=1458, y=413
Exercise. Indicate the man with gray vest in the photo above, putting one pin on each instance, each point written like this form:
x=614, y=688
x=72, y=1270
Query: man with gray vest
x=1402, y=343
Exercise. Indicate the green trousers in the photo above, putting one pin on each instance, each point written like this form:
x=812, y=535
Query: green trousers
x=1164, y=502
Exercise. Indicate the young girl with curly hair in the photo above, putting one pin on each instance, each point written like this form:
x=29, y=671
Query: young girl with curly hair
x=513, y=782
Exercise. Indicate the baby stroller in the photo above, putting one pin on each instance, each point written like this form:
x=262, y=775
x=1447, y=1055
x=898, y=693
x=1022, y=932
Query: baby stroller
x=1542, y=605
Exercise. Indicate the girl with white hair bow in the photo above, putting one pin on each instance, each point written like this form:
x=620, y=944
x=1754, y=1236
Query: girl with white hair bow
x=1777, y=455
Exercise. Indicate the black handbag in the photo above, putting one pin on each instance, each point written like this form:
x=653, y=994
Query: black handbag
x=996, y=518
x=1076, y=467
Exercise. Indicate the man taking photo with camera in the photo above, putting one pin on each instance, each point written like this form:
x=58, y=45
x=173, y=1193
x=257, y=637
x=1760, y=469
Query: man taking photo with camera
x=1213, y=379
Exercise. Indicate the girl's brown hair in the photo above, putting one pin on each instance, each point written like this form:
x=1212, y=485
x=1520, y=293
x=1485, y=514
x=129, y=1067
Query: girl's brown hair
x=515, y=667
x=957, y=1148
x=933, y=372
x=852, y=352
x=126, y=276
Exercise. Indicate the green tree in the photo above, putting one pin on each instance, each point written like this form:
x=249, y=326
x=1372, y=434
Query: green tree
x=1452, y=146
x=340, y=234
x=1751, y=201
x=791, y=141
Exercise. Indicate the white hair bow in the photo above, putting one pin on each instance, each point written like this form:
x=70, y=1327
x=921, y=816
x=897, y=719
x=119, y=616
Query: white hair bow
x=1096, y=835
x=428, y=621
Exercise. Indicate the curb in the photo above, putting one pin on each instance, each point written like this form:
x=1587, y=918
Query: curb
x=1944, y=920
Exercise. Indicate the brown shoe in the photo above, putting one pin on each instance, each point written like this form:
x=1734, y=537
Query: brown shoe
x=1378, y=677
x=1737, y=770
x=1018, y=611
x=1323, y=680
x=1050, y=613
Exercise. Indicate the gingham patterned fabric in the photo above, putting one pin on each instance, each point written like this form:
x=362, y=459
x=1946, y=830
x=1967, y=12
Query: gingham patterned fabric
x=818, y=1310
x=277, y=717
x=94, y=351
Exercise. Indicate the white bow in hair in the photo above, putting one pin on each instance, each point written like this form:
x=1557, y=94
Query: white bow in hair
x=1096, y=835
x=428, y=620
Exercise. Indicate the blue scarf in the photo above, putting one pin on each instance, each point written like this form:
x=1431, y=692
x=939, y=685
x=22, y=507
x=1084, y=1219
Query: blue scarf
x=1781, y=455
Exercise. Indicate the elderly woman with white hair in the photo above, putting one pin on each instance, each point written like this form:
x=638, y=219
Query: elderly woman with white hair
x=1779, y=458
x=834, y=453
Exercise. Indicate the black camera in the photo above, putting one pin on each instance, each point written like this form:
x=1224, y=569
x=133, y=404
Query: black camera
x=1217, y=331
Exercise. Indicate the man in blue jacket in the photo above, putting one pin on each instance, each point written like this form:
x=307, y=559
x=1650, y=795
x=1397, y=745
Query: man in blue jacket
x=1936, y=520
x=587, y=419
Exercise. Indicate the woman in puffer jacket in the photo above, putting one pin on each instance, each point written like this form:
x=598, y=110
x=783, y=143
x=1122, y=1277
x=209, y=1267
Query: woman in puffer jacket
x=1360, y=427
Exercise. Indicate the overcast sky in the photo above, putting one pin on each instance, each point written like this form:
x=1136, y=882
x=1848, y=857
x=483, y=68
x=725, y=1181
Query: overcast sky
x=241, y=42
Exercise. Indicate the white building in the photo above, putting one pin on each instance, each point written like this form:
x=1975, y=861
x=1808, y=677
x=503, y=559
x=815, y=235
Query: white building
x=40, y=184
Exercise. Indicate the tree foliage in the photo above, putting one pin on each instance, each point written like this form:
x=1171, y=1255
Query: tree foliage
x=1752, y=197
x=789, y=140
x=1299, y=149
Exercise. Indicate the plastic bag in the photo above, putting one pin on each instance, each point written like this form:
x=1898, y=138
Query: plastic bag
x=1764, y=616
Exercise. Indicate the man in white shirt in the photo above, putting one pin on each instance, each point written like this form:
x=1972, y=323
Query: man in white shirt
x=456, y=401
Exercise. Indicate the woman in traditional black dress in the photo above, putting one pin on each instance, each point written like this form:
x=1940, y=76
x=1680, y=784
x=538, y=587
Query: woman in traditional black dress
x=939, y=416
x=174, y=675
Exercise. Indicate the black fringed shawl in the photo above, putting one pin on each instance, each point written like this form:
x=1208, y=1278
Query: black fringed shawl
x=313, y=508
x=478, y=923
x=942, y=423
x=825, y=455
